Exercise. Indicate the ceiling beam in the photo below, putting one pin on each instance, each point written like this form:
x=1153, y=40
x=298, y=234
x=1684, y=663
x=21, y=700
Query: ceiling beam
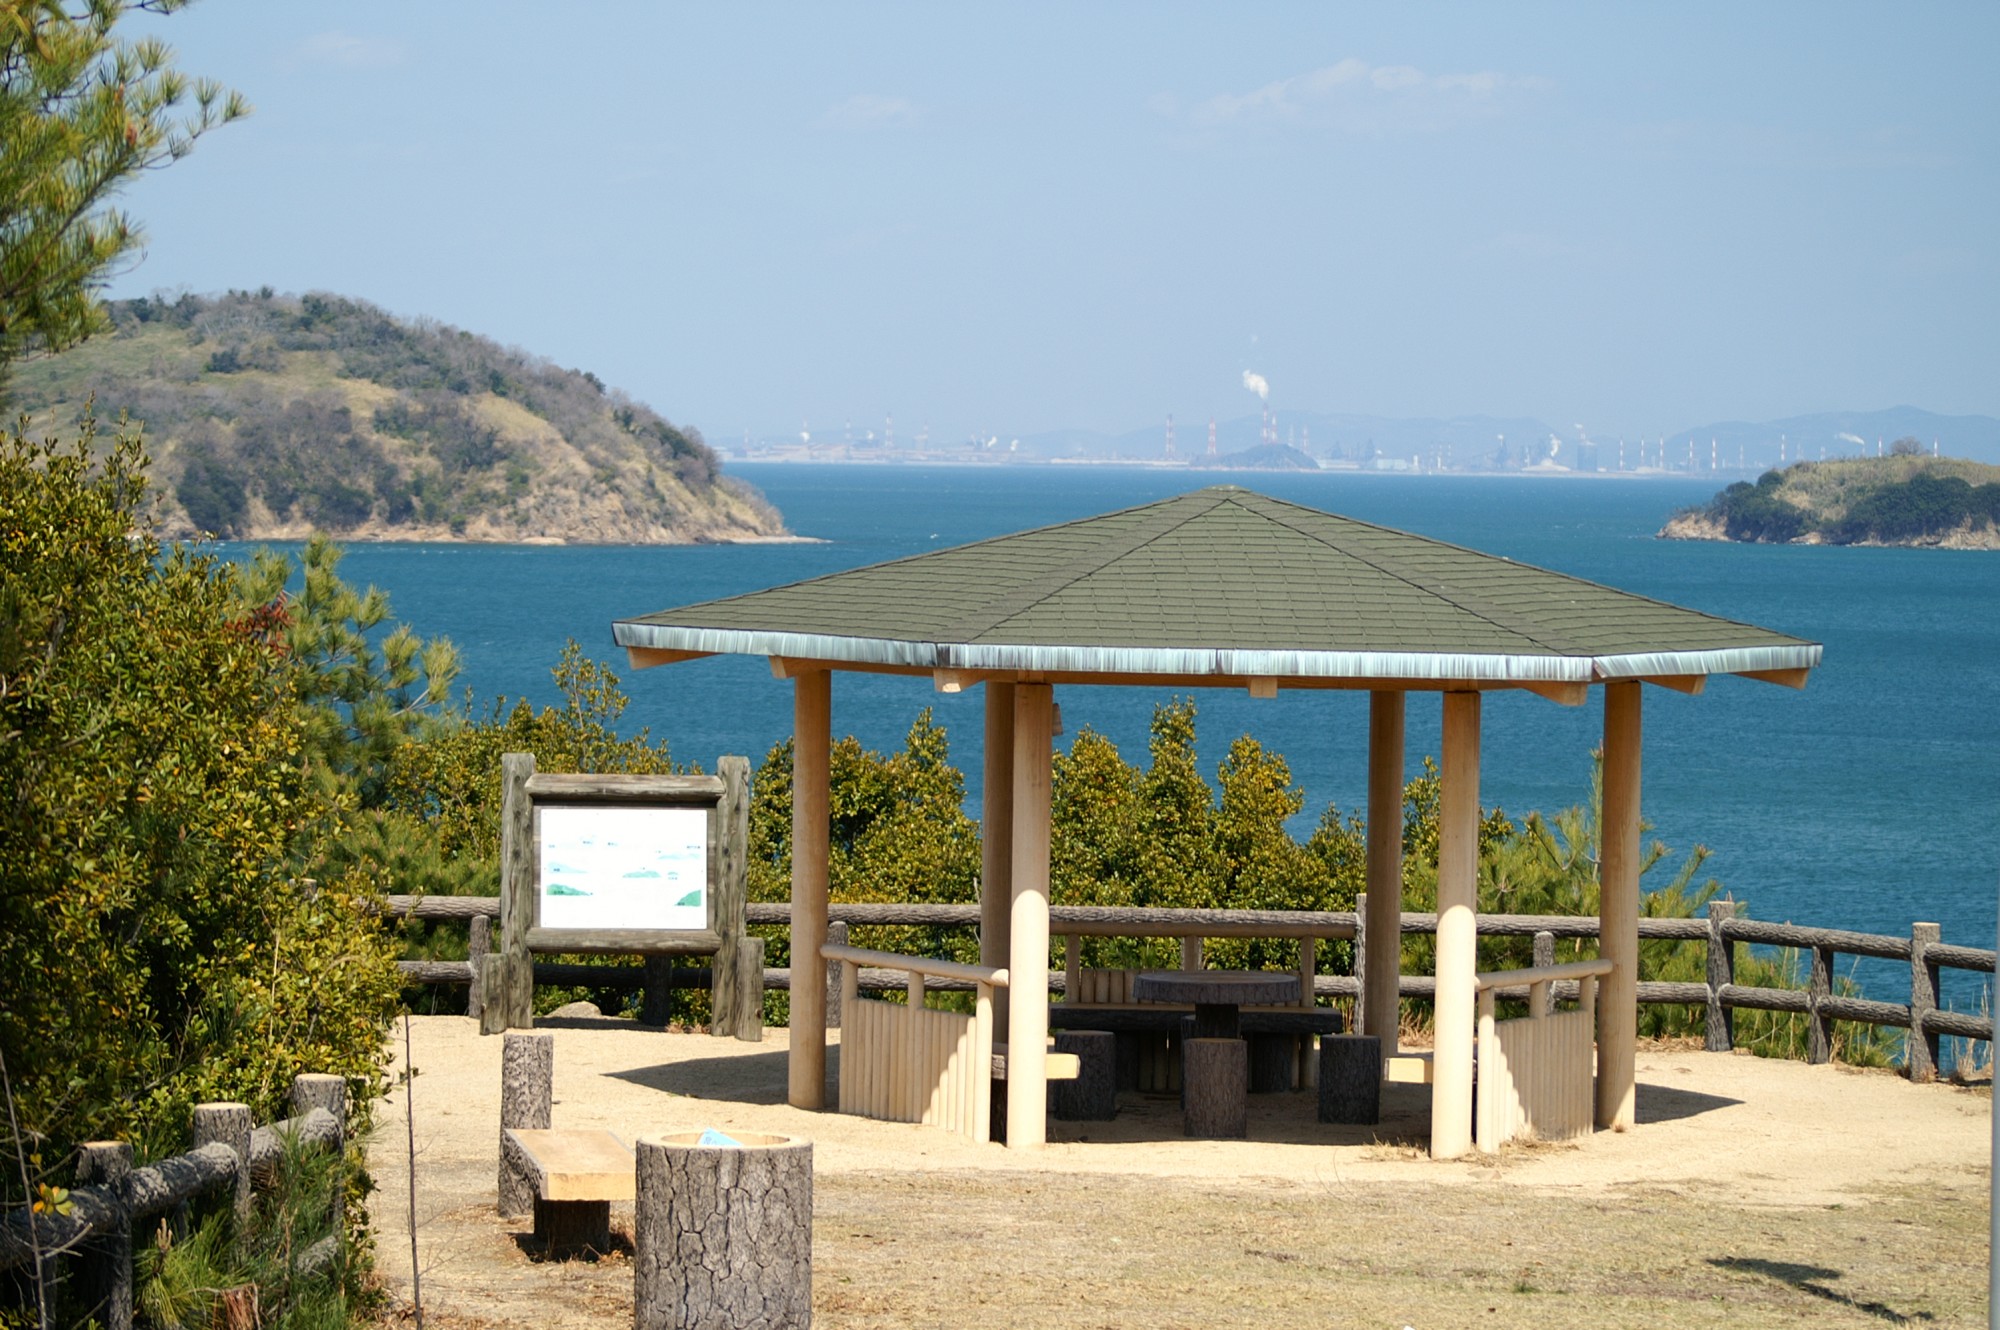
x=1691, y=684
x=644, y=658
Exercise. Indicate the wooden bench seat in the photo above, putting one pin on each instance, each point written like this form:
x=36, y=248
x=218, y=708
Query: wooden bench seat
x=576, y=1175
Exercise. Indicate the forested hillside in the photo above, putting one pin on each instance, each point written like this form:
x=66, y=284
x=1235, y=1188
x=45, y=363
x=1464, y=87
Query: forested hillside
x=1904, y=499
x=270, y=416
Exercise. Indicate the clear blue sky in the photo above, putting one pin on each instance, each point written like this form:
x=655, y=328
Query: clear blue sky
x=1018, y=218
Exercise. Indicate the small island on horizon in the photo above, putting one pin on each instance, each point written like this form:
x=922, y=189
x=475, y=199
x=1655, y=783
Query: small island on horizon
x=1908, y=498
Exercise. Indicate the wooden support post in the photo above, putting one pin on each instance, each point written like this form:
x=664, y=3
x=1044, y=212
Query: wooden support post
x=723, y=1234
x=1361, y=1017
x=516, y=999
x=1457, y=928
x=836, y=986
x=996, y=838
x=1381, y=1002
x=656, y=992
x=1921, y=1060
x=1308, y=968
x=479, y=944
x=1544, y=949
x=1721, y=973
x=104, y=1261
x=1191, y=953
x=1073, y=968
x=1819, y=1025
x=749, y=989
x=727, y=1001
x=1618, y=910
x=1028, y=951
x=527, y=1094
x=812, y=719
x=229, y=1124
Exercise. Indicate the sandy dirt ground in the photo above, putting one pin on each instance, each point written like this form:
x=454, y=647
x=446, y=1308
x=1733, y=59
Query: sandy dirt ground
x=1751, y=1193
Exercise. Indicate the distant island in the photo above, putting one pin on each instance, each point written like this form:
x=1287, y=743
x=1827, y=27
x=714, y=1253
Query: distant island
x=272, y=416
x=1905, y=498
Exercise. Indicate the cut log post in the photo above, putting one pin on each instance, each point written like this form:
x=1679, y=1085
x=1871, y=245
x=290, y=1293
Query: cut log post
x=732, y=820
x=229, y=1124
x=311, y=1091
x=656, y=991
x=479, y=945
x=1093, y=1095
x=1274, y=1059
x=723, y=1233
x=1362, y=1020
x=1544, y=949
x=492, y=981
x=1922, y=1059
x=515, y=995
x=1213, y=1072
x=1721, y=974
x=750, y=989
x=1819, y=1025
x=1350, y=1078
x=527, y=1094
x=104, y=1261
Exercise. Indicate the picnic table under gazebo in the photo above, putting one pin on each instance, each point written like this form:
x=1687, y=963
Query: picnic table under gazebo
x=1226, y=588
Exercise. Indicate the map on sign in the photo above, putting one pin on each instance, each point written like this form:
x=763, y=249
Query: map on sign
x=623, y=867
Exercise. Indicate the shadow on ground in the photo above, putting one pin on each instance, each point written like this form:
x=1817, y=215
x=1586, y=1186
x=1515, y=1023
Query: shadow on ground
x=1812, y=1279
x=1663, y=1103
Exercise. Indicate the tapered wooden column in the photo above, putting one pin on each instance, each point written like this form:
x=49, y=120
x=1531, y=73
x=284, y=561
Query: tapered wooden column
x=812, y=719
x=1028, y=939
x=1457, y=928
x=996, y=838
x=1381, y=1007
x=1618, y=908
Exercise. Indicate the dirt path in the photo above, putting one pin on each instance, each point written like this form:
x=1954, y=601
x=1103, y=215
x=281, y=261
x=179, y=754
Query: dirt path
x=1753, y=1193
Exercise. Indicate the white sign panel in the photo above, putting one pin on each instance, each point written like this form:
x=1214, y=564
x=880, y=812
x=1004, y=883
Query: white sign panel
x=623, y=867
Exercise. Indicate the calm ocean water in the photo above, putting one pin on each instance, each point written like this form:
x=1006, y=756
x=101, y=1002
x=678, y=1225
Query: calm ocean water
x=1868, y=800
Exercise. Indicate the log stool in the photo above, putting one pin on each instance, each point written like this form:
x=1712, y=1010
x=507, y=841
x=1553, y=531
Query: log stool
x=724, y=1233
x=1214, y=1076
x=1093, y=1095
x=1274, y=1059
x=1350, y=1078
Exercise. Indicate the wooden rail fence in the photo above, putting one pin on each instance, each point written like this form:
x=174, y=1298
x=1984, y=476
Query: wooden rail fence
x=1721, y=931
x=94, y=1236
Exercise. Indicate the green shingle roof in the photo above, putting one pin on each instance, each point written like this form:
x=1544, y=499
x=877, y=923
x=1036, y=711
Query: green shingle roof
x=1223, y=581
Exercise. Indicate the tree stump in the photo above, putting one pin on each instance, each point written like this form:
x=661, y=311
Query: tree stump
x=724, y=1233
x=104, y=1261
x=527, y=1091
x=229, y=1124
x=1093, y=1095
x=1213, y=1079
x=1273, y=1060
x=1350, y=1078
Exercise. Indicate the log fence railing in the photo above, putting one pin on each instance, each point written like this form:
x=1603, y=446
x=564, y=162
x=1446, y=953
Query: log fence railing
x=92, y=1233
x=1926, y=954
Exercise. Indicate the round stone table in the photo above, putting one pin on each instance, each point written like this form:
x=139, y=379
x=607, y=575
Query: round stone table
x=1216, y=994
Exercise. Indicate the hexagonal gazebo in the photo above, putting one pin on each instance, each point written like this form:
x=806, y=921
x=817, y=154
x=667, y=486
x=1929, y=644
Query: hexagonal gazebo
x=1226, y=588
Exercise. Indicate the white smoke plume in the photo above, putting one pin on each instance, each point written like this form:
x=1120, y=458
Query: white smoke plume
x=1256, y=384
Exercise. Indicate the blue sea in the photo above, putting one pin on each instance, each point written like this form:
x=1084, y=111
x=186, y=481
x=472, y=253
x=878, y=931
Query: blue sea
x=1868, y=800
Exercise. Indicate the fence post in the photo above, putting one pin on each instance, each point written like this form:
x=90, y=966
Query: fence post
x=1819, y=1026
x=836, y=935
x=229, y=1124
x=478, y=945
x=1921, y=1061
x=104, y=1265
x=1721, y=974
x=311, y=1091
x=656, y=992
x=750, y=989
x=527, y=1091
x=729, y=1005
x=1360, y=966
x=516, y=996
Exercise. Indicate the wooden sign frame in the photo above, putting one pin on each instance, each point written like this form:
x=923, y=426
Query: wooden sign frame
x=724, y=799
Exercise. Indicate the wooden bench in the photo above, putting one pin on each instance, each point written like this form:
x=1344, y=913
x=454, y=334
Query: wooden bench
x=576, y=1175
